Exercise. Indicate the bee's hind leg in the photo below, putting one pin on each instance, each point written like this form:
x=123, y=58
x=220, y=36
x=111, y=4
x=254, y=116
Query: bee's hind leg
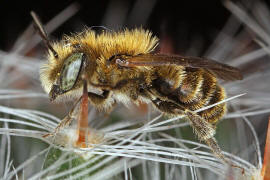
x=205, y=132
x=203, y=129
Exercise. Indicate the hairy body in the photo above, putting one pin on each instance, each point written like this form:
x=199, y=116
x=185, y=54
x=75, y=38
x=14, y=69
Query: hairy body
x=190, y=88
x=121, y=67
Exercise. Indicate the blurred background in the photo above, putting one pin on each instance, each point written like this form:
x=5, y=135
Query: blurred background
x=183, y=23
x=197, y=28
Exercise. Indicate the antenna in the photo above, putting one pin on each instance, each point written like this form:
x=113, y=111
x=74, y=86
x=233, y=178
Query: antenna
x=39, y=27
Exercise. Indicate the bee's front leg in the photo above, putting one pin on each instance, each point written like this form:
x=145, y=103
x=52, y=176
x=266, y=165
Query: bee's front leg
x=73, y=113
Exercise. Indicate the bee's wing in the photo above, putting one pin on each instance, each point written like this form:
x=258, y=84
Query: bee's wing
x=222, y=71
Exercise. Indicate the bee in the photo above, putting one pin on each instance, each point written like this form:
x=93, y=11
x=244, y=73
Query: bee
x=122, y=67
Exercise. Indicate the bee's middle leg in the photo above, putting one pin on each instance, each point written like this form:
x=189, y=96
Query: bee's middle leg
x=98, y=99
x=102, y=101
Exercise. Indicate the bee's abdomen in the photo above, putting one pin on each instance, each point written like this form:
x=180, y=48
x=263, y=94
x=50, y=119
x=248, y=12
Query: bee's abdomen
x=215, y=113
x=190, y=88
x=196, y=89
x=200, y=89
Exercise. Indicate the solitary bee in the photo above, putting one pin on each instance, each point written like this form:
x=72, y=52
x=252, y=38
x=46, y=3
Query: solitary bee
x=122, y=67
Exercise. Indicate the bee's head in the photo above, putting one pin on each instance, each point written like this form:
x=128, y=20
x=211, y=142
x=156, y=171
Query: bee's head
x=61, y=75
x=68, y=76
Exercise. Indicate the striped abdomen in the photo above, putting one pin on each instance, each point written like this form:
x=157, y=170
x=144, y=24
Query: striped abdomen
x=198, y=88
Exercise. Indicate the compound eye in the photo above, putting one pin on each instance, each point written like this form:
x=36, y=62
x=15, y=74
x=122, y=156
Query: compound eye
x=70, y=71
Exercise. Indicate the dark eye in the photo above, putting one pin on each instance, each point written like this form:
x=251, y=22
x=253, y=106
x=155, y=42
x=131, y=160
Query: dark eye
x=70, y=71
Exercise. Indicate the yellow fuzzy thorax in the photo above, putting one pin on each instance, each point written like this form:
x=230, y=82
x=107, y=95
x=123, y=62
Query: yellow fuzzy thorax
x=99, y=47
